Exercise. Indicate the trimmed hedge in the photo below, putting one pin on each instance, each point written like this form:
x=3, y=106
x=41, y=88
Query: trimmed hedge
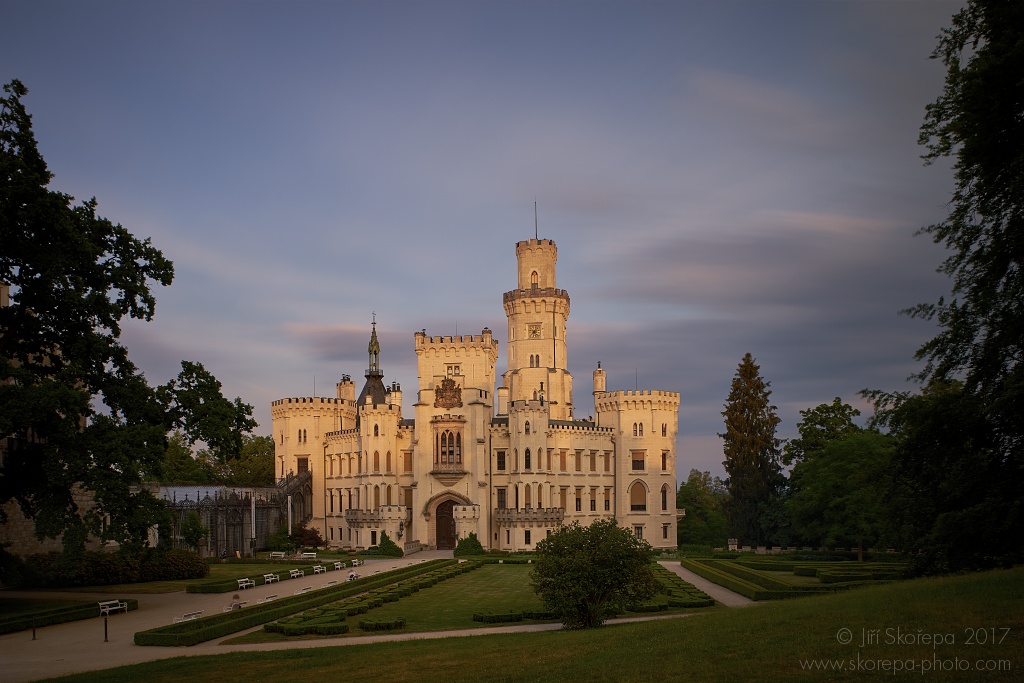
x=58, y=615
x=219, y=625
x=382, y=624
x=488, y=617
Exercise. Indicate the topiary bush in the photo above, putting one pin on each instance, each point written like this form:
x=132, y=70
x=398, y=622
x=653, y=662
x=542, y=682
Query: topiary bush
x=470, y=545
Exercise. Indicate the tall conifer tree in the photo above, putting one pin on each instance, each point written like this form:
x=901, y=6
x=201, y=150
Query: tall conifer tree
x=752, y=453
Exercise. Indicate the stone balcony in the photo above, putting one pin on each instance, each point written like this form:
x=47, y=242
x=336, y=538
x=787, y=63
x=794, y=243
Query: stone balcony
x=529, y=516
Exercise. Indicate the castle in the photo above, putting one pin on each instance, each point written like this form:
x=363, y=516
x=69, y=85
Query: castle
x=509, y=462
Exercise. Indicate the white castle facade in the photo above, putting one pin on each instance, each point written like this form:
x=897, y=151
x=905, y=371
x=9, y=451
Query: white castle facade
x=505, y=458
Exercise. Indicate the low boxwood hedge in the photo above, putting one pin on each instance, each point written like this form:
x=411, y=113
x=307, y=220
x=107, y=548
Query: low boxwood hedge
x=382, y=624
x=219, y=625
x=488, y=617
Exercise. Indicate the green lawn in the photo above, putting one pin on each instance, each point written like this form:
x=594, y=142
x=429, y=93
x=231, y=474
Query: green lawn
x=771, y=641
x=450, y=604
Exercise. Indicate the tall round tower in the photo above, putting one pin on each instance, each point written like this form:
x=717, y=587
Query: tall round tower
x=537, y=312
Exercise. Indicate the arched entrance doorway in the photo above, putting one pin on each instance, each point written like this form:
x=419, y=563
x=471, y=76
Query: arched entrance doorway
x=444, y=531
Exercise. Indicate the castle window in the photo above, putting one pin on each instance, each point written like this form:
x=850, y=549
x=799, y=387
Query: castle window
x=526, y=459
x=448, y=448
x=533, y=280
x=664, y=460
x=634, y=429
x=302, y=465
x=502, y=499
x=527, y=426
x=453, y=370
x=664, y=497
x=641, y=429
x=376, y=498
x=387, y=467
x=527, y=497
x=389, y=495
x=501, y=460
x=376, y=430
x=664, y=429
x=526, y=536
x=638, y=498
x=639, y=461
x=376, y=461
x=407, y=457
x=579, y=502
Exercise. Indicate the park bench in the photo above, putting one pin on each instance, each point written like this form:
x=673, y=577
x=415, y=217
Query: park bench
x=304, y=590
x=235, y=605
x=246, y=583
x=330, y=583
x=357, y=562
x=319, y=569
x=277, y=555
x=296, y=573
x=339, y=565
x=108, y=606
x=266, y=599
x=309, y=556
x=188, y=616
x=270, y=578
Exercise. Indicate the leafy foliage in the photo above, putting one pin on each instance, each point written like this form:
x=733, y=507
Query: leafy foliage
x=583, y=574
x=80, y=420
x=840, y=497
x=470, y=545
x=192, y=530
x=752, y=454
x=703, y=498
x=819, y=427
x=959, y=461
x=305, y=536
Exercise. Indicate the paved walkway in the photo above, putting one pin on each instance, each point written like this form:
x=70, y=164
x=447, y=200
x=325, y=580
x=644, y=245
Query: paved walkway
x=79, y=646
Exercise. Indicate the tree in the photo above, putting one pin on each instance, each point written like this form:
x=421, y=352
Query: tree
x=954, y=506
x=77, y=418
x=842, y=497
x=254, y=465
x=820, y=426
x=752, y=454
x=975, y=361
x=583, y=574
x=193, y=531
x=702, y=498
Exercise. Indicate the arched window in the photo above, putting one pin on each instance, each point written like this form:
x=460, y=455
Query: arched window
x=664, y=497
x=376, y=430
x=534, y=279
x=664, y=429
x=526, y=493
x=527, y=426
x=458, y=448
x=526, y=459
x=389, y=495
x=388, y=464
x=376, y=461
x=637, y=498
x=641, y=429
x=304, y=436
x=376, y=497
x=634, y=429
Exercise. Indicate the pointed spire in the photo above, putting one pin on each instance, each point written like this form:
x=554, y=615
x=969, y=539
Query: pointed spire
x=374, y=348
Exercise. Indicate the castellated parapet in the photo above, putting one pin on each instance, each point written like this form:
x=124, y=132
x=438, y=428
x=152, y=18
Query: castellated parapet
x=501, y=457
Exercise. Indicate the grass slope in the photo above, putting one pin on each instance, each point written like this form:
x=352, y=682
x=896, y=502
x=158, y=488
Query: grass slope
x=764, y=642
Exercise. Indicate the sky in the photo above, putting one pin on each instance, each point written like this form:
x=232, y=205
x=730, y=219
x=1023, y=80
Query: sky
x=720, y=178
